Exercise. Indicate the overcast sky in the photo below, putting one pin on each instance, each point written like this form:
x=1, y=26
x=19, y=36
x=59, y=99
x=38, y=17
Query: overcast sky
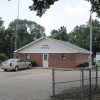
x=68, y=13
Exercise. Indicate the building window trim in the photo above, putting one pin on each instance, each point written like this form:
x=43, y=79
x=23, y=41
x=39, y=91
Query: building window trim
x=27, y=56
x=63, y=56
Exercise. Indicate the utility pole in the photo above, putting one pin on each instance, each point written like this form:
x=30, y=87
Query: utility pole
x=16, y=31
x=90, y=60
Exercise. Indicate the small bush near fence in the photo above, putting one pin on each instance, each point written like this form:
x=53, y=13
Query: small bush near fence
x=86, y=64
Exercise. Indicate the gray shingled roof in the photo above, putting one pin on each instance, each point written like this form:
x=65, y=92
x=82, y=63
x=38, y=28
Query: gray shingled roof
x=72, y=46
x=79, y=49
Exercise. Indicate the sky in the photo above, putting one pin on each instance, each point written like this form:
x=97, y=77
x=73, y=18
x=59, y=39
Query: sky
x=68, y=13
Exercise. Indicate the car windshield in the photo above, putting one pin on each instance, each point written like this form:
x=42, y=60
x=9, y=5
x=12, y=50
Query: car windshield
x=10, y=60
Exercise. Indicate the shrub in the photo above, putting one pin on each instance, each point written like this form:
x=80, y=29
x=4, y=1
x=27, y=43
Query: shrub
x=2, y=57
x=33, y=63
x=85, y=64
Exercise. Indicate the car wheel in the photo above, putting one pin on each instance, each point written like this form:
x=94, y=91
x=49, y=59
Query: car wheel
x=16, y=68
x=5, y=70
x=29, y=66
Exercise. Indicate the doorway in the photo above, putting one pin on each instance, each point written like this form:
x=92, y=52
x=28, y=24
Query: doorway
x=45, y=60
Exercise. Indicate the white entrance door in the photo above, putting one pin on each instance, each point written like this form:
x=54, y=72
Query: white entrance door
x=45, y=60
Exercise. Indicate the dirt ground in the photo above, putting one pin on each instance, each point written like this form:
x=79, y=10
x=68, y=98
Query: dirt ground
x=76, y=94
x=32, y=84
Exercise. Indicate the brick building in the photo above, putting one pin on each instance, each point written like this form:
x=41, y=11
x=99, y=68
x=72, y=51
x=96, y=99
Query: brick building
x=48, y=52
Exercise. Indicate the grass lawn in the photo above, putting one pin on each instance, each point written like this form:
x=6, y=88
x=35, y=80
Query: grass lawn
x=98, y=64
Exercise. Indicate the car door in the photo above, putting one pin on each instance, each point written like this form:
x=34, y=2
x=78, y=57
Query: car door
x=21, y=64
x=25, y=65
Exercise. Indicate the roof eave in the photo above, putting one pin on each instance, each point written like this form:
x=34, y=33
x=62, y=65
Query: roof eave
x=85, y=52
x=29, y=44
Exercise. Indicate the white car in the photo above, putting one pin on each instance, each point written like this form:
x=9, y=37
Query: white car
x=15, y=64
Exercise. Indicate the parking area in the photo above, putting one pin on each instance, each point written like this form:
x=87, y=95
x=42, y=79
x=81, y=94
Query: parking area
x=36, y=83
x=32, y=84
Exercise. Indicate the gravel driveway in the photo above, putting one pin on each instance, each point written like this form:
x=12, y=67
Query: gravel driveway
x=33, y=84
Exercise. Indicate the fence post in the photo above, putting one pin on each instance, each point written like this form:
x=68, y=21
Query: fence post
x=96, y=76
x=90, y=82
x=53, y=82
x=82, y=82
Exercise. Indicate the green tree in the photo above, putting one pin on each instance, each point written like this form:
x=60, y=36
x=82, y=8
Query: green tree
x=40, y=6
x=96, y=36
x=25, y=31
x=60, y=34
x=95, y=6
x=8, y=42
x=81, y=35
x=38, y=31
x=5, y=41
x=1, y=22
x=2, y=36
x=2, y=39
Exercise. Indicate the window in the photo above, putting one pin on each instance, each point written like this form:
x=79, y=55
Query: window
x=27, y=56
x=63, y=56
x=45, y=57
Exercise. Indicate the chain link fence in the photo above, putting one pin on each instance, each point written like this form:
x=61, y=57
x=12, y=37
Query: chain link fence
x=75, y=84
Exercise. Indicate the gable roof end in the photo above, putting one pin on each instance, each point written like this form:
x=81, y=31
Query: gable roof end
x=37, y=40
x=77, y=49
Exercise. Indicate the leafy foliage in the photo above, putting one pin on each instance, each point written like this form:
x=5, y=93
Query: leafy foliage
x=86, y=64
x=23, y=30
x=95, y=6
x=40, y=6
x=26, y=31
x=1, y=22
x=81, y=36
x=60, y=34
x=2, y=57
x=2, y=39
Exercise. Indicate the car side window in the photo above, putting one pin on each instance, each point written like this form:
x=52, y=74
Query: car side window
x=21, y=60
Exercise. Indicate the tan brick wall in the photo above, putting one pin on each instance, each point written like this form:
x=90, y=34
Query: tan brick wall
x=81, y=58
x=55, y=60
x=22, y=55
x=37, y=57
